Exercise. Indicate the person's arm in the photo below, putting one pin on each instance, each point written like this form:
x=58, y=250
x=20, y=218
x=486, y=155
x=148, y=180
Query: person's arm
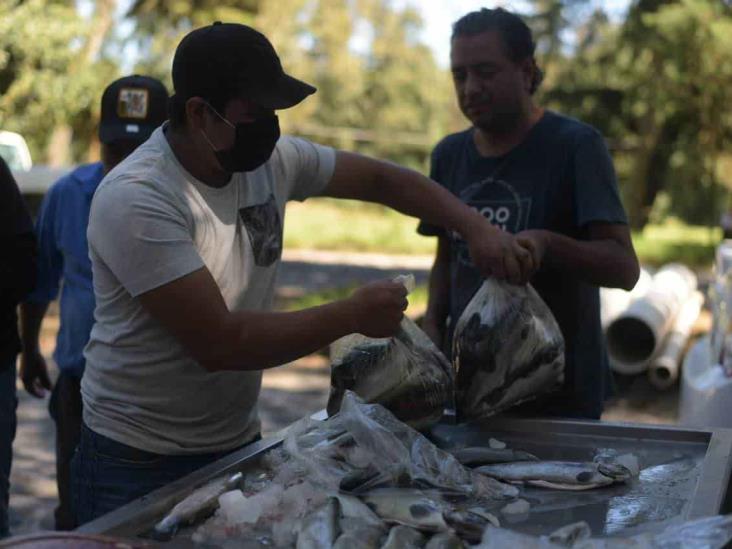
x=606, y=259
x=18, y=268
x=604, y=255
x=33, y=370
x=494, y=252
x=193, y=311
x=438, y=301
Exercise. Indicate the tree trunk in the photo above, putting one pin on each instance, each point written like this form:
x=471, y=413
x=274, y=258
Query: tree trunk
x=58, y=151
x=651, y=172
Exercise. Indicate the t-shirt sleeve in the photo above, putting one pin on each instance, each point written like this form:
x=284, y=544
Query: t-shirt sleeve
x=141, y=236
x=596, y=194
x=308, y=166
x=424, y=228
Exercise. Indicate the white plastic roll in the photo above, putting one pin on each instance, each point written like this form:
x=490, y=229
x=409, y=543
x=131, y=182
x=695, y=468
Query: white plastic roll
x=637, y=334
x=664, y=368
x=723, y=259
x=614, y=301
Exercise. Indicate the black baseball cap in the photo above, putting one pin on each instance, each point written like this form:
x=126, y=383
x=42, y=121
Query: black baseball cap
x=132, y=107
x=230, y=59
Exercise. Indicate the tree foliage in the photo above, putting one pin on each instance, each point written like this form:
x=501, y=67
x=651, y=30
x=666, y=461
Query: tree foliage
x=656, y=80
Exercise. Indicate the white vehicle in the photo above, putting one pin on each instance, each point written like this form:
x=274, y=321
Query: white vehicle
x=32, y=180
x=14, y=151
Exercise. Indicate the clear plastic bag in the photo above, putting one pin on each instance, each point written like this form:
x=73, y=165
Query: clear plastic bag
x=370, y=433
x=713, y=532
x=406, y=373
x=507, y=348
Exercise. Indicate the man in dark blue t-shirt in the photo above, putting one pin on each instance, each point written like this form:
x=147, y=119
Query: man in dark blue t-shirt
x=545, y=177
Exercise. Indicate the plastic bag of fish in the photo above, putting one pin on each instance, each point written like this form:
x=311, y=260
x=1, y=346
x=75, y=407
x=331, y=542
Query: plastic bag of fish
x=507, y=348
x=364, y=446
x=406, y=373
x=357, y=475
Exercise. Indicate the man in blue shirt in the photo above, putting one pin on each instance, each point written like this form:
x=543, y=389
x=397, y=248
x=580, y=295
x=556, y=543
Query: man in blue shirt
x=543, y=176
x=132, y=107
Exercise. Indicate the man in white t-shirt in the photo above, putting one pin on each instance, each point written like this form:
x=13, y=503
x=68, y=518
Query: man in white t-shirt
x=185, y=237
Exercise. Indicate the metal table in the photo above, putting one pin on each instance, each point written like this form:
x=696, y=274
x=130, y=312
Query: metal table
x=684, y=475
x=684, y=472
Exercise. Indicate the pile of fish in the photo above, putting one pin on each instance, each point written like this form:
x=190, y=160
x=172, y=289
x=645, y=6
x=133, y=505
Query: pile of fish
x=361, y=478
x=287, y=504
x=364, y=479
x=507, y=348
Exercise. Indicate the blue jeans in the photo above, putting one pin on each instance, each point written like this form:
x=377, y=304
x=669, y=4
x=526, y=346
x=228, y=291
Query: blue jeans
x=106, y=474
x=8, y=403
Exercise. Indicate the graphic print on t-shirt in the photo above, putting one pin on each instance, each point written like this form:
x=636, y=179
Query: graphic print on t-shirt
x=500, y=203
x=263, y=224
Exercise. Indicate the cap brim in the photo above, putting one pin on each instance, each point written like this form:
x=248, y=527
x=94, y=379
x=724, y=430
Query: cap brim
x=125, y=131
x=287, y=93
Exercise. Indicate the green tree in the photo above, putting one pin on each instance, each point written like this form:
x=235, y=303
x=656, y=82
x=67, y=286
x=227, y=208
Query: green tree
x=50, y=72
x=658, y=87
x=161, y=24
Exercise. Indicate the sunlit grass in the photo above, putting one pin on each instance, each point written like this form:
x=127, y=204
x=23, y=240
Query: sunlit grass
x=676, y=241
x=417, y=299
x=326, y=224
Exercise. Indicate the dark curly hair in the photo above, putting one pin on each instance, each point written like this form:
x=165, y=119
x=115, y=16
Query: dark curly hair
x=515, y=33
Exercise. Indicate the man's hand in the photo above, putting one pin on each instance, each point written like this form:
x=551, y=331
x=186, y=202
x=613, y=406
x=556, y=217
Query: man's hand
x=499, y=254
x=34, y=374
x=535, y=241
x=378, y=308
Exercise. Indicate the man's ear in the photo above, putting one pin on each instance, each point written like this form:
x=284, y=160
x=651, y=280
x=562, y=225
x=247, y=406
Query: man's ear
x=195, y=111
x=528, y=68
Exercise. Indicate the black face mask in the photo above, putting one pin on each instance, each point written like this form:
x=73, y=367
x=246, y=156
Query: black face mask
x=253, y=144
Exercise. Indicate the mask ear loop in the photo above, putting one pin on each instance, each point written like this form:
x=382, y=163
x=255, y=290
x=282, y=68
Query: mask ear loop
x=214, y=149
x=208, y=141
x=232, y=126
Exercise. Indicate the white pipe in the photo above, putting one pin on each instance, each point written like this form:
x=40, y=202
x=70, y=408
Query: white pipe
x=664, y=368
x=723, y=258
x=636, y=335
x=614, y=301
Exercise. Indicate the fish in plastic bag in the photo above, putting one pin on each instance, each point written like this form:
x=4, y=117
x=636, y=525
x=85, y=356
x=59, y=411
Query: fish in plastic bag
x=407, y=373
x=507, y=348
x=397, y=453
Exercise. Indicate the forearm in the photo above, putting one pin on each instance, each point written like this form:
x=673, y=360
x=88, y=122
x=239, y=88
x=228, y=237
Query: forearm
x=413, y=194
x=261, y=340
x=603, y=262
x=31, y=318
x=407, y=191
x=193, y=311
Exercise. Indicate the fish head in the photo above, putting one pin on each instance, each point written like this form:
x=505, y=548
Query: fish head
x=468, y=525
x=615, y=471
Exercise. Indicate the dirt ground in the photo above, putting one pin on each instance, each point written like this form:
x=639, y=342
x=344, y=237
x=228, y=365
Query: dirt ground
x=288, y=393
